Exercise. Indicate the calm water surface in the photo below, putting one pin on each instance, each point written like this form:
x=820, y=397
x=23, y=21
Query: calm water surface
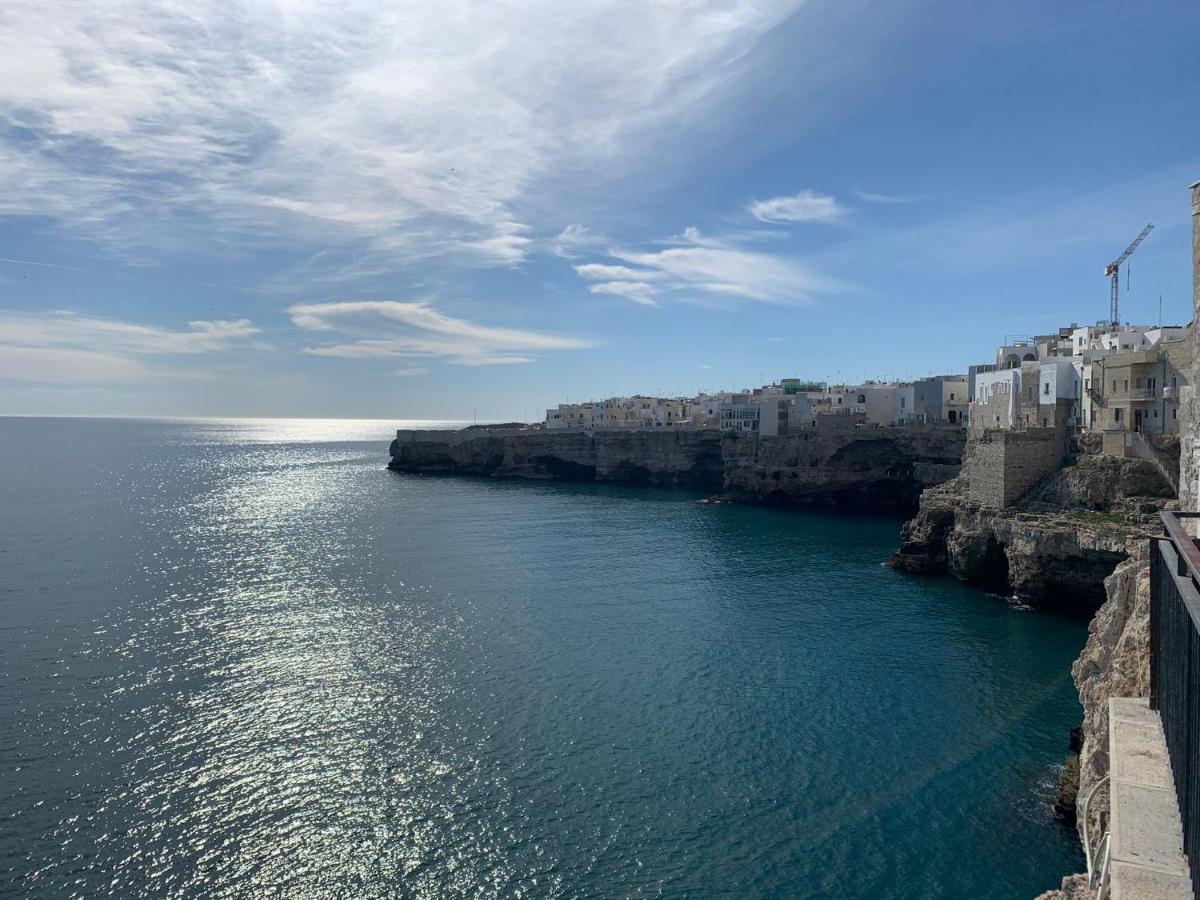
x=243, y=659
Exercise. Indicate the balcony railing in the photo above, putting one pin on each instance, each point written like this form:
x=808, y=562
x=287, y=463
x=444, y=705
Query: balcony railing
x=1175, y=665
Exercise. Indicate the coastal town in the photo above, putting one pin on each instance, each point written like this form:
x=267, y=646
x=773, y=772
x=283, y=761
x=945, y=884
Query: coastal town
x=1115, y=379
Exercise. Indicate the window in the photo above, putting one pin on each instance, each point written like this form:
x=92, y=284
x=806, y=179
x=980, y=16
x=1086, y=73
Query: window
x=1046, y=389
x=1114, y=384
x=1126, y=384
x=1117, y=415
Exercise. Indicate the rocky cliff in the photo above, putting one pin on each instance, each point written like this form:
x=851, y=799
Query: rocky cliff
x=1057, y=545
x=869, y=466
x=841, y=464
x=1077, y=539
x=677, y=457
x=1115, y=662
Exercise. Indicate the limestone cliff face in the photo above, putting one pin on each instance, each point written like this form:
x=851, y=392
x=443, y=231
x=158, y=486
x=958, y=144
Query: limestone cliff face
x=689, y=458
x=1079, y=537
x=875, y=467
x=848, y=466
x=1115, y=662
x=1058, y=544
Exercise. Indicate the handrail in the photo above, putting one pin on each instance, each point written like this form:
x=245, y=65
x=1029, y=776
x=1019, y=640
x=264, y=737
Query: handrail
x=1143, y=449
x=1100, y=885
x=1087, y=839
x=1184, y=544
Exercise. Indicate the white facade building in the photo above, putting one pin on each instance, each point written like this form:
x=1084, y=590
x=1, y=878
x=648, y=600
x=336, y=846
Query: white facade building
x=743, y=416
x=996, y=399
x=784, y=414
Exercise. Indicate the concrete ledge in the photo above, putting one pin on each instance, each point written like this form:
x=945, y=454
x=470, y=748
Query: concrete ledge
x=1146, y=847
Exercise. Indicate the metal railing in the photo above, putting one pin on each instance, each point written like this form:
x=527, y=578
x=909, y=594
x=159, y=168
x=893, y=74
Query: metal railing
x=1097, y=877
x=1175, y=667
x=1167, y=468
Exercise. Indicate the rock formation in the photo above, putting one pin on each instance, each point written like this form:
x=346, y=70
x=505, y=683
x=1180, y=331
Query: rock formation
x=1115, y=662
x=678, y=457
x=1058, y=544
x=840, y=465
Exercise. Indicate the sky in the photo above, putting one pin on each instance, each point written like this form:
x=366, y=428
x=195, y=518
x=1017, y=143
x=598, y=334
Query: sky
x=454, y=210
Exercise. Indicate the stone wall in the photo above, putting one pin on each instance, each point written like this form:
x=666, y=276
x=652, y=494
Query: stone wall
x=1189, y=406
x=1001, y=466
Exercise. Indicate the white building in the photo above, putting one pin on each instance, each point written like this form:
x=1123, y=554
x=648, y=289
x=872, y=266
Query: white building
x=784, y=414
x=886, y=403
x=739, y=416
x=1062, y=379
x=996, y=399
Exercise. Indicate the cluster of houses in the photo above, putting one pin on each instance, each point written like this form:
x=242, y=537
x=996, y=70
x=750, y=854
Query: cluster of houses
x=1096, y=378
x=780, y=408
x=1100, y=378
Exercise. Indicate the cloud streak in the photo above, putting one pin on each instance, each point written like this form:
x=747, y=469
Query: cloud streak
x=66, y=347
x=392, y=328
x=806, y=206
x=637, y=291
x=694, y=263
x=869, y=197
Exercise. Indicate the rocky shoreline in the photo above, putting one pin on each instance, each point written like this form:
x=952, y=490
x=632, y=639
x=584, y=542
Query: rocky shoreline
x=1078, y=541
x=841, y=465
x=1056, y=546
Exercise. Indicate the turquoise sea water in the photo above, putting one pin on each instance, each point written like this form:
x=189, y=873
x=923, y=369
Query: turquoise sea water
x=243, y=659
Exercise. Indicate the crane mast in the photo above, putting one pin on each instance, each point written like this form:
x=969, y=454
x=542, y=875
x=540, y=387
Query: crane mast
x=1113, y=271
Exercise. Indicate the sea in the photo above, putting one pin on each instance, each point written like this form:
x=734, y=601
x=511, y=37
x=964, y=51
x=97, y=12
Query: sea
x=242, y=658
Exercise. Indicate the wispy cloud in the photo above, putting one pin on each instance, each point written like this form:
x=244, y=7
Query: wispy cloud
x=412, y=131
x=637, y=291
x=393, y=328
x=66, y=347
x=869, y=197
x=605, y=272
x=410, y=371
x=40, y=265
x=697, y=263
x=574, y=240
x=806, y=206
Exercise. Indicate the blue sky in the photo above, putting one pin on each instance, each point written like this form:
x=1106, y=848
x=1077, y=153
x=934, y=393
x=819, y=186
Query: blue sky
x=428, y=210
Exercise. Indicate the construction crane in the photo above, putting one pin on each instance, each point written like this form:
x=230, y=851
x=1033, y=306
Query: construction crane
x=1112, y=269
